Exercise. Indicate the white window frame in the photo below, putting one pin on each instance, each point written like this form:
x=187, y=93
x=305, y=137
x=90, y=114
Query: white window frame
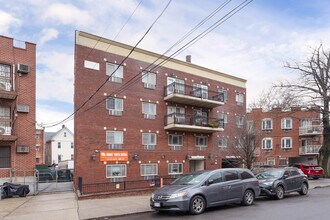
x=144, y=167
x=117, y=142
x=199, y=139
x=265, y=142
x=122, y=167
x=118, y=106
x=224, y=117
x=175, y=166
x=282, y=159
x=147, y=141
x=223, y=142
x=225, y=94
x=284, y=123
x=285, y=141
x=149, y=110
x=170, y=139
x=264, y=124
x=239, y=121
x=249, y=125
x=149, y=79
x=271, y=161
x=116, y=76
x=239, y=98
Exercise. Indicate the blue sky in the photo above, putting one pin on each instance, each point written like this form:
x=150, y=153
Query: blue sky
x=253, y=44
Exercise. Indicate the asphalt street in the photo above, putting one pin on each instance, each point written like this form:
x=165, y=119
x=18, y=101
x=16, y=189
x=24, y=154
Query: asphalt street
x=293, y=207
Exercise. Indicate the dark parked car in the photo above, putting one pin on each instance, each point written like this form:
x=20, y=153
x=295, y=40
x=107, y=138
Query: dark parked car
x=196, y=191
x=311, y=170
x=64, y=175
x=45, y=176
x=276, y=182
x=10, y=189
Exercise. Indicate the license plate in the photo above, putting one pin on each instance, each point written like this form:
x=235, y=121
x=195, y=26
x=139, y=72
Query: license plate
x=157, y=204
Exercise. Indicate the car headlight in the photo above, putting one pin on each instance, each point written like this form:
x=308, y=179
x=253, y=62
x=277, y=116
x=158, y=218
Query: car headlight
x=176, y=195
x=152, y=195
x=268, y=183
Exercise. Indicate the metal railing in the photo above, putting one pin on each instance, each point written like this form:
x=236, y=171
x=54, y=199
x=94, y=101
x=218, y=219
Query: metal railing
x=310, y=130
x=309, y=149
x=125, y=185
x=193, y=120
x=19, y=44
x=193, y=91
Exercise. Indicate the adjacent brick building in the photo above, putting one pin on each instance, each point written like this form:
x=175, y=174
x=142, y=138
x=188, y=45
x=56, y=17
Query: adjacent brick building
x=174, y=119
x=288, y=136
x=17, y=109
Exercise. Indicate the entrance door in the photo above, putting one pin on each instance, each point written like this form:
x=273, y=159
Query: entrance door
x=175, y=86
x=196, y=165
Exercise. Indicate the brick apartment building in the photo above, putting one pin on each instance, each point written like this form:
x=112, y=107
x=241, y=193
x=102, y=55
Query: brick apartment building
x=17, y=109
x=288, y=136
x=40, y=147
x=174, y=119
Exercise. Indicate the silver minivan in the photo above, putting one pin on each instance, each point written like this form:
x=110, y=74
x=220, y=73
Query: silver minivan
x=194, y=192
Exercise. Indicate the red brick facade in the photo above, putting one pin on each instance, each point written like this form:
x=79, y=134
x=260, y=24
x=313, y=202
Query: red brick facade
x=91, y=125
x=305, y=135
x=18, y=95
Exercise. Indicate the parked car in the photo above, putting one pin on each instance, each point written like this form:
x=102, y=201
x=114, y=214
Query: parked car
x=9, y=190
x=279, y=181
x=194, y=192
x=311, y=170
x=64, y=176
x=45, y=176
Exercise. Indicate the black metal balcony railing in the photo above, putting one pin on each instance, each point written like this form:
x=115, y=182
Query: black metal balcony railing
x=194, y=120
x=193, y=91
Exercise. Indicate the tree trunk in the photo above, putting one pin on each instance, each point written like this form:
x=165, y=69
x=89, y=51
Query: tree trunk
x=325, y=150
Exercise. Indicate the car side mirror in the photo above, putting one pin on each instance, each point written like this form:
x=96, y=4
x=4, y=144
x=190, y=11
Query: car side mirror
x=285, y=176
x=210, y=182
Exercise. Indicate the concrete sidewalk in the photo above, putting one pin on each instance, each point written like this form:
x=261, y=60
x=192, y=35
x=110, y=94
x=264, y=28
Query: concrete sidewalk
x=64, y=205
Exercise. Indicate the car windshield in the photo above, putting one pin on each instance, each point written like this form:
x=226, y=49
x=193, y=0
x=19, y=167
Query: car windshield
x=270, y=174
x=190, y=179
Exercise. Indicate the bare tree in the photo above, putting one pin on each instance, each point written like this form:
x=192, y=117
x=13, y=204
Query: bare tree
x=313, y=86
x=276, y=97
x=247, y=146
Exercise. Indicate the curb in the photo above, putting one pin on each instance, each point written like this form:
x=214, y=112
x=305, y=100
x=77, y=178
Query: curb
x=120, y=215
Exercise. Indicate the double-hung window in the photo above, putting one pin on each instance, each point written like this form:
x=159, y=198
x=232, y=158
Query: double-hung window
x=239, y=121
x=5, y=81
x=175, y=168
x=239, y=99
x=116, y=172
x=286, y=123
x=5, y=157
x=201, y=142
x=286, y=142
x=200, y=91
x=267, y=124
x=271, y=161
x=115, y=139
x=149, y=140
x=175, y=141
x=149, y=110
x=223, y=142
x=149, y=80
x=149, y=171
x=115, y=106
x=115, y=72
x=223, y=118
x=267, y=143
x=223, y=94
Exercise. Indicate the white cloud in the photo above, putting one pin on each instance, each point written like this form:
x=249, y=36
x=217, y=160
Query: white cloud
x=47, y=115
x=55, y=79
x=7, y=21
x=47, y=34
x=67, y=14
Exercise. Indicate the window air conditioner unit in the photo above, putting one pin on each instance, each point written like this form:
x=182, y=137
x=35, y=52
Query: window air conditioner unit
x=23, y=108
x=115, y=112
x=21, y=68
x=149, y=86
x=22, y=149
x=5, y=130
x=147, y=116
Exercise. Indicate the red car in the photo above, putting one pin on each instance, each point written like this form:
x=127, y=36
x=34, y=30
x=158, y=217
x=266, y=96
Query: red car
x=311, y=170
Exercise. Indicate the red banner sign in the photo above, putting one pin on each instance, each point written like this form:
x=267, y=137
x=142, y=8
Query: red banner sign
x=113, y=156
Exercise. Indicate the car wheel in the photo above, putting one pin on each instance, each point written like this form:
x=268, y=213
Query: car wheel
x=304, y=189
x=279, y=193
x=197, y=205
x=248, y=198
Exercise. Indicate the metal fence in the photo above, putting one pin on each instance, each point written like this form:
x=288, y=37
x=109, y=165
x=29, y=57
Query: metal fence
x=91, y=188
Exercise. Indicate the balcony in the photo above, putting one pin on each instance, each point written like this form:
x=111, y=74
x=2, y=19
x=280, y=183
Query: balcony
x=6, y=87
x=201, y=124
x=309, y=149
x=190, y=95
x=311, y=130
x=6, y=133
